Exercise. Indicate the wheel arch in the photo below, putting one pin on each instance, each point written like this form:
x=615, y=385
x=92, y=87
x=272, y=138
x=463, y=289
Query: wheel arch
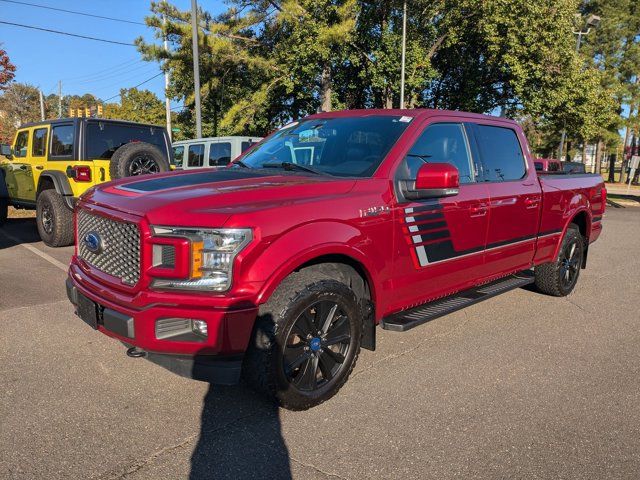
x=349, y=265
x=58, y=179
x=582, y=219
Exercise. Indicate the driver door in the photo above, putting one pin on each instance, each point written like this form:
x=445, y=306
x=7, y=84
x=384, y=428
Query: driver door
x=19, y=174
x=439, y=242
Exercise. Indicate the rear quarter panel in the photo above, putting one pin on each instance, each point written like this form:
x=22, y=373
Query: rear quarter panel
x=564, y=197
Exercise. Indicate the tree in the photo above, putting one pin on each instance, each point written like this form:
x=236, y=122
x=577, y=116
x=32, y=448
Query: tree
x=136, y=105
x=7, y=70
x=19, y=103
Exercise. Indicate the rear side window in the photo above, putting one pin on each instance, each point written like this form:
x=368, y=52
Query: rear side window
x=501, y=154
x=39, y=142
x=441, y=143
x=21, y=144
x=554, y=167
x=178, y=155
x=219, y=154
x=62, y=141
x=196, y=155
x=104, y=138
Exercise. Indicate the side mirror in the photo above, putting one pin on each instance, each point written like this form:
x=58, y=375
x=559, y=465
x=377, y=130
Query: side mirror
x=7, y=152
x=434, y=180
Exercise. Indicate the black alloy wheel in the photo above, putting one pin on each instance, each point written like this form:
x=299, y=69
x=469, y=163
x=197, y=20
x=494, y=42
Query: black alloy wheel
x=316, y=346
x=143, y=165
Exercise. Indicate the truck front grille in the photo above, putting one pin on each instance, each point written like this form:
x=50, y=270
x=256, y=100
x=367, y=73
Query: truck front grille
x=113, y=247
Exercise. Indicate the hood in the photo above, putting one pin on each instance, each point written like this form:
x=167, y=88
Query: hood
x=210, y=197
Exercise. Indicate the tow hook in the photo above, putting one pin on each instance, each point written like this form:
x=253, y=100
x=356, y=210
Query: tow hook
x=133, y=352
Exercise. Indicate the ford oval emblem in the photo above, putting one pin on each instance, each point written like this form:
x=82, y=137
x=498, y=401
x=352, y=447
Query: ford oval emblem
x=93, y=242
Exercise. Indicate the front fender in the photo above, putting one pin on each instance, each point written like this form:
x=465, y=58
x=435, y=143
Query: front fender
x=306, y=243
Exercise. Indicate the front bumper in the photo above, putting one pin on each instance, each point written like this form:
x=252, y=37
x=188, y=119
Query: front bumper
x=216, y=358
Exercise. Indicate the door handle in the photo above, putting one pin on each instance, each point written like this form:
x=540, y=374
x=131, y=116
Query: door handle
x=39, y=167
x=478, y=210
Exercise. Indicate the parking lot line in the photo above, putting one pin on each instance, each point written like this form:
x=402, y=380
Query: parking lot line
x=40, y=253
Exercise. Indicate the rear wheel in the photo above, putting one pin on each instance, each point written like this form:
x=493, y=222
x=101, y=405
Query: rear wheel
x=4, y=210
x=307, y=340
x=54, y=219
x=559, y=278
x=138, y=158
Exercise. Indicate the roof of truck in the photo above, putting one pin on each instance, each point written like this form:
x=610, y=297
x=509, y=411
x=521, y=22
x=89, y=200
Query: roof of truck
x=52, y=121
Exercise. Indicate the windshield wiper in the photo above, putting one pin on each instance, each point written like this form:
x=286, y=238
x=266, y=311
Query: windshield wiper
x=289, y=166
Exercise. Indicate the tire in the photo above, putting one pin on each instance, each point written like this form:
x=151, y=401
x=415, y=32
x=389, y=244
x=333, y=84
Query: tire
x=4, y=210
x=559, y=278
x=285, y=360
x=137, y=158
x=54, y=219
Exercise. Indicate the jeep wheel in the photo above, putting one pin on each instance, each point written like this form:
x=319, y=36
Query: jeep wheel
x=307, y=340
x=559, y=278
x=54, y=219
x=137, y=158
x=4, y=210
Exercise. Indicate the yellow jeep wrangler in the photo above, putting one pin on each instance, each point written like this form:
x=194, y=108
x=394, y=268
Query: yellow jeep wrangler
x=51, y=163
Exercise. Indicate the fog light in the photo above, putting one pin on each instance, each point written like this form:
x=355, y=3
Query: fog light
x=200, y=327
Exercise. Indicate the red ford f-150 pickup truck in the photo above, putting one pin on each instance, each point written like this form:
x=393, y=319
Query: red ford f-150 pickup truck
x=281, y=266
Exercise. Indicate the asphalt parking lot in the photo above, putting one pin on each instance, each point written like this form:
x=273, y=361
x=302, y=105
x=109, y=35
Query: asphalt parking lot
x=520, y=386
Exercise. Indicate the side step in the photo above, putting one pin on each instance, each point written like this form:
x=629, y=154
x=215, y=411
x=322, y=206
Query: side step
x=407, y=319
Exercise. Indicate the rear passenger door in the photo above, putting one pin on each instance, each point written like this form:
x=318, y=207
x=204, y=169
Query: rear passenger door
x=515, y=197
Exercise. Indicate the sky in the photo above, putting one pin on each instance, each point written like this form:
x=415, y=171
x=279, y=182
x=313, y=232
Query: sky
x=84, y=66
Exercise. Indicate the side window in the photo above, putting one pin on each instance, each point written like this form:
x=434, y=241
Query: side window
x=539, y=166
x=441, y=143
x=39, y=144
x=178, y=155
x=196, y=155
x=554, y=167
x=21, y=144
x=62, y=141
x=219, y=154
x=501, y=154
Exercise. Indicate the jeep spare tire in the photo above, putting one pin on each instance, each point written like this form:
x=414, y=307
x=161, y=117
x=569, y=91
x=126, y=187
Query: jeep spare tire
x=137, y=158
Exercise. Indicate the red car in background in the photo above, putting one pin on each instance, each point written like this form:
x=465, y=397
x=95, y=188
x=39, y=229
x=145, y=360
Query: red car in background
x=281, y=266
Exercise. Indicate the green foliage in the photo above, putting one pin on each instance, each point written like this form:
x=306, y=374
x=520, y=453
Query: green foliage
x=136, y=105
x=19, y=103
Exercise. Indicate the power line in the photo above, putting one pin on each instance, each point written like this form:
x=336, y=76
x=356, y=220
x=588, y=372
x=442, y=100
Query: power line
x=135, y=86
x=75, y=13
x=66, y=33
x=113, y=68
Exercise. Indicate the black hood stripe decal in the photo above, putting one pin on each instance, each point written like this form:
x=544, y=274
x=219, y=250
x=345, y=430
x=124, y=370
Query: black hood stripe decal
x=191, y=179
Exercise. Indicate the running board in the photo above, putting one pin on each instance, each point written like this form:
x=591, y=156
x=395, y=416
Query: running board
x=407, y=319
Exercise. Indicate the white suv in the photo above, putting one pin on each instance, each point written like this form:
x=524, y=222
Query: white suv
x=210, y=152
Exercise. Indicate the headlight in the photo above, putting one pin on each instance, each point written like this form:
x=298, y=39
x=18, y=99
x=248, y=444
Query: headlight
x=213, y=252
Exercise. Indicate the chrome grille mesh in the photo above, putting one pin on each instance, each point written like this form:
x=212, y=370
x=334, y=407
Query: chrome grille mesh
x=120, y=242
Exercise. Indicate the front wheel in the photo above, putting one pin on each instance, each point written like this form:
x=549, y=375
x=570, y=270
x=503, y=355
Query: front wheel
x=559, y=278
x=307, y=340
x=54, y=219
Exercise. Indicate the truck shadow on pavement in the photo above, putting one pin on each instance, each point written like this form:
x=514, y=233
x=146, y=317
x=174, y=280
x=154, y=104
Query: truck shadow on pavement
x=240, y=437
x=17, y=231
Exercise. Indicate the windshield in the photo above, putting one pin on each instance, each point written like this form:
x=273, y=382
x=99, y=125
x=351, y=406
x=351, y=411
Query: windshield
x=347, y=146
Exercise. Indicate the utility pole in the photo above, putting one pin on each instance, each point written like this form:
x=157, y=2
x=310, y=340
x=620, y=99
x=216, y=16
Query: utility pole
x=167, y=105
x=404, y=52
x=196, y=66
x=41, y=105
x=59, y=98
